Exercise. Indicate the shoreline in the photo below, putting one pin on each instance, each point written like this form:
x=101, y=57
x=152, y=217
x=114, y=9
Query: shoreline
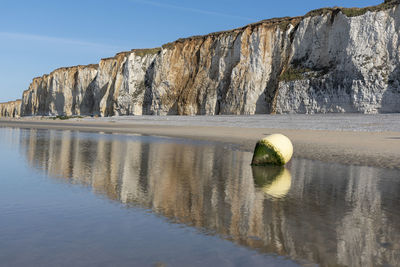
x=368, y=148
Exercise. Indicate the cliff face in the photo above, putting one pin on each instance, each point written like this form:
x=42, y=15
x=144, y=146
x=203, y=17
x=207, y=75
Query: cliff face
x=331, y=60
x=65, y=91
x=344, y=64
x=11, y=109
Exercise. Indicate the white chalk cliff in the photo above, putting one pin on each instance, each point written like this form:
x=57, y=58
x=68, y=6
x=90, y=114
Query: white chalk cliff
x=330, y=60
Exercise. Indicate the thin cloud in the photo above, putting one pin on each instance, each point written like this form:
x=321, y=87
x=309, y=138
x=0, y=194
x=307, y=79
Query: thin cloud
x=44, y=38
x=193, y=10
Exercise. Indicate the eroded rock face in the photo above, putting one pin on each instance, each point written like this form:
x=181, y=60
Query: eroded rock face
x=65, y=91
x=11, y=109
x=331, y=60
x=344, y=64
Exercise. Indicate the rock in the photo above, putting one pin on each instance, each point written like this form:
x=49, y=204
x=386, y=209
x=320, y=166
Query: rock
x=275, y=149
x=330, y=60
x=10, y=109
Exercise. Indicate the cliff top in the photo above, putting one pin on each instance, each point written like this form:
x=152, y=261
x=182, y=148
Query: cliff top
x=11, y=102
x=139, y=52
x=354, y=11
x=283, y=22
x=93, y=66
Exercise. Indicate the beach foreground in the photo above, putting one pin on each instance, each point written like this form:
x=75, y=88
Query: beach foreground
x=351, y=139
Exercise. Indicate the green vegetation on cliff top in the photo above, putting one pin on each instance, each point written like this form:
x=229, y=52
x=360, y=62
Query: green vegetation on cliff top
x=144, y=52
x=354, y=11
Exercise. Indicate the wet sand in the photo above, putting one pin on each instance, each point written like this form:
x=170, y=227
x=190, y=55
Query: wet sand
x=370, y=140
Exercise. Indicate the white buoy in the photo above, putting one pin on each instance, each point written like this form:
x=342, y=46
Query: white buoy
x=274, y=149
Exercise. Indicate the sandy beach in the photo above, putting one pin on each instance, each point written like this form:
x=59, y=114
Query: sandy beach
x=372, y=140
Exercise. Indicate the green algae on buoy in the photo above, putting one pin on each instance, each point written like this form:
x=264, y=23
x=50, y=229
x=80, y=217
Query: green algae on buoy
x=275, y=149
x=274, y=181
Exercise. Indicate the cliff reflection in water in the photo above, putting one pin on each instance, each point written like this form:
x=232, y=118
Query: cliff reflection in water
x=323, y=213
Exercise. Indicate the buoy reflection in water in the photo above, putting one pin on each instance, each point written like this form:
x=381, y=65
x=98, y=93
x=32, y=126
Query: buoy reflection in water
x=274, y=181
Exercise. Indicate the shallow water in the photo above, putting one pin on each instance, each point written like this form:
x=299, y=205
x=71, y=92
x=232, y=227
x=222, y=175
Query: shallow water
x=89, y=199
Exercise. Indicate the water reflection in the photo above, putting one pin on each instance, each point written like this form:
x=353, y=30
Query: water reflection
x=323, y=213
x=274, y=181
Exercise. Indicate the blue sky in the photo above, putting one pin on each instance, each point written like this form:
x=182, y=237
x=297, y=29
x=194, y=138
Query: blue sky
x=37, y=37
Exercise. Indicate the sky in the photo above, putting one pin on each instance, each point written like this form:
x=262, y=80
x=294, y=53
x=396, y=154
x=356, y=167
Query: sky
x=37, y=37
